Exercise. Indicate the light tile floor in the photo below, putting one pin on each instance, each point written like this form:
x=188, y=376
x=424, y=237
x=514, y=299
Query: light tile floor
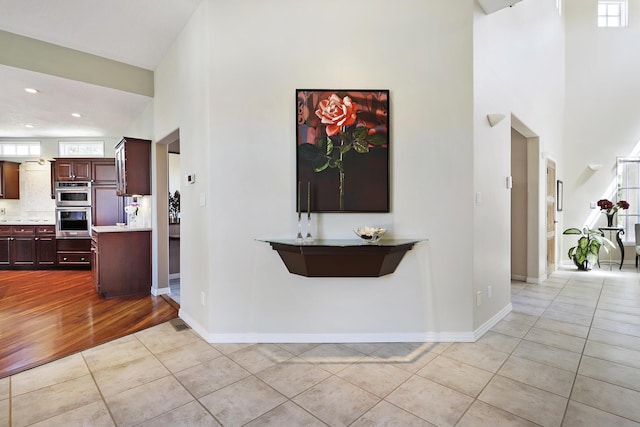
x=568, y=354
x=174, y=289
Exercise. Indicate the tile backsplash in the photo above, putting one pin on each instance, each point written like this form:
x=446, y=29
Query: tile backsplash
x=35, y=193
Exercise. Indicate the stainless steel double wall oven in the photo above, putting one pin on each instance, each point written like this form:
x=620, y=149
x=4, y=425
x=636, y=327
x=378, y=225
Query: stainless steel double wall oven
x=73, y=209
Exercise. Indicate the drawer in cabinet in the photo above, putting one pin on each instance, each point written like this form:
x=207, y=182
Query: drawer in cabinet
x=74, y=245
x=5, y=230
x=74, y=258
x=45, y=230
x=23, y=230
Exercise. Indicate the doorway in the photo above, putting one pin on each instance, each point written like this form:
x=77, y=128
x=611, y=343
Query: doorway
x=174, y=219
x=551, y=216
x=528, y=225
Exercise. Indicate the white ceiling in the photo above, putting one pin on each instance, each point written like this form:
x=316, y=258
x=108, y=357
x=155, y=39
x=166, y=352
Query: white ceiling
x=136, y=32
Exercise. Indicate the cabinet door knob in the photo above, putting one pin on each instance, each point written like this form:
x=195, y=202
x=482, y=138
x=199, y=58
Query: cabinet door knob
x=36, y=239
x=64, y=259
x=82, y=259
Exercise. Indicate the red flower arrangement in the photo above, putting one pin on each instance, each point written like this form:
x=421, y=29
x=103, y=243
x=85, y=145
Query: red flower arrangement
x=609, y=208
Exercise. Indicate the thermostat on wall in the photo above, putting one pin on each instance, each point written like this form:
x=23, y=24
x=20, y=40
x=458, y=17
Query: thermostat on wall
x=190, y=179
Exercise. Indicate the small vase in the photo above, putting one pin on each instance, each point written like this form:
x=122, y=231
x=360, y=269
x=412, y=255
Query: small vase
x=610, y=220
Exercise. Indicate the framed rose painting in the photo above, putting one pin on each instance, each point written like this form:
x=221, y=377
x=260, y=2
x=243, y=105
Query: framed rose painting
x=342, y=150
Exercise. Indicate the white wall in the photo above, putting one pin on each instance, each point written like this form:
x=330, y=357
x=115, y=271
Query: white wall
x=234, y=106
x=519, y=70
x=602, y=109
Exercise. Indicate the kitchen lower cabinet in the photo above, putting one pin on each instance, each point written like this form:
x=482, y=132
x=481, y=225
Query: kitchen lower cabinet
x=17, y=246
x=121, y=261
x=23, y=251
x=73, y=253
x=5, y=246
x=46, y=249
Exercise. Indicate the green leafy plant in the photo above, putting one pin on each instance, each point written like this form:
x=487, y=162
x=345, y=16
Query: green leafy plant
x=585, y=253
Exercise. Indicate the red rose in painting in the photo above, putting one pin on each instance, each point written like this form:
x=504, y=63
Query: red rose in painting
x=336, y=112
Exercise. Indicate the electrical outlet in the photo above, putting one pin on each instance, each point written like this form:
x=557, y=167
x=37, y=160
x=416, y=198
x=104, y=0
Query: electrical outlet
x=489, y=291
x=202, y=298
x=478, y=298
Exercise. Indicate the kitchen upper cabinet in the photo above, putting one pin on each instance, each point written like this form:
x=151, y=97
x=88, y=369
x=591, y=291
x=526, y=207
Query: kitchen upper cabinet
x=103, y=171
x=108, y=207
x=9, y=180
x=133, y=167
x=72, y=169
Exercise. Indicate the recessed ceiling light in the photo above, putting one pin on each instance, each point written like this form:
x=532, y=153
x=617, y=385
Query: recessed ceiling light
x=28, y=125
x=76, y=114
x=31, y=90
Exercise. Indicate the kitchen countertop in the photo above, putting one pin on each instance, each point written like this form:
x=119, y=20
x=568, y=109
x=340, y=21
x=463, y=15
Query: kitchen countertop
x=116, y=229
x=27, y=221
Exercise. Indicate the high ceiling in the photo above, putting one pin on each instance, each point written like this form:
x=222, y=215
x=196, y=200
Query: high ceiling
x=135, y=32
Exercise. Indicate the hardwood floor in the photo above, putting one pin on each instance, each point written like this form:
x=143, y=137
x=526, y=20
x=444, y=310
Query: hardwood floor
x=49, y=314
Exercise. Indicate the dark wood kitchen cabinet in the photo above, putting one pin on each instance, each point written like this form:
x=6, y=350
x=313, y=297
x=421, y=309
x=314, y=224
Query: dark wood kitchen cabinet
x=17, y=246
x=74, y=252
x=5, y=245
x=108, y=207
x=9, y=180
x=45, y=242
x=121, y=261
x=28, y=246
x=72, y=169
x=103, y=171
x=133, y=167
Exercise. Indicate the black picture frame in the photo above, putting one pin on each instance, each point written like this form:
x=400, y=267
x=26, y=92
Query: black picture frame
x=342, y=150
x=559, y=195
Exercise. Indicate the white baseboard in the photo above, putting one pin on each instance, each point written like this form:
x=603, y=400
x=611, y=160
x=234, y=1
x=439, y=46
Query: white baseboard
x=160, y=291
x=478, y=333
x=252, y=338
x=174, y=276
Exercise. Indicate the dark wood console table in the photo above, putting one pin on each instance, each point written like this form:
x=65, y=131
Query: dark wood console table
x=341, y=258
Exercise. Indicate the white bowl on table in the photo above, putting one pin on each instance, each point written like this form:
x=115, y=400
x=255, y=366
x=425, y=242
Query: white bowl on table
x=370, y=234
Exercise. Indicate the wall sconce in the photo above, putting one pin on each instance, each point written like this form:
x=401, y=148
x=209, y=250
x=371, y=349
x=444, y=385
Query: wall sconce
x=594, y=166
x=494, y=119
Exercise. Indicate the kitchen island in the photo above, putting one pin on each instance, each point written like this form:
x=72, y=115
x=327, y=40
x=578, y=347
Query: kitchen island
x=121, y=260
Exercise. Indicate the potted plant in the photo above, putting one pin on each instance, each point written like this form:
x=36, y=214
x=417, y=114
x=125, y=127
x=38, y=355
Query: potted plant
x=585, y=254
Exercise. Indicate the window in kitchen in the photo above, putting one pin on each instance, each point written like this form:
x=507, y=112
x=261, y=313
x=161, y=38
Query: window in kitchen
x=612, y=13
x=81, y=148
x=19, y=148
